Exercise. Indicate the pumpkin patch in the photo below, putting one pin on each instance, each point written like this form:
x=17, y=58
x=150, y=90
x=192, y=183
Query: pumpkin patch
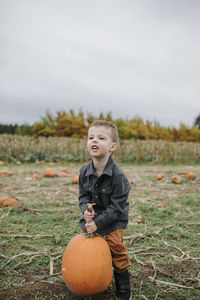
x=164, y=216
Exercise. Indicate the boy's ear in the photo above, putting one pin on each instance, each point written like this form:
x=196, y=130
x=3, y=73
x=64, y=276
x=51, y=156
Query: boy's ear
x=114, y=147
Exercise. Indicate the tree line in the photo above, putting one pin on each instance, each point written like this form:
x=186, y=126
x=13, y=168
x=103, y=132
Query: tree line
x=24, y=129
x=71, y=124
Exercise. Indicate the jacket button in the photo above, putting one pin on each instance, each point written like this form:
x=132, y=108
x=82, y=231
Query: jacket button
x=103, y=190
x=96, y=196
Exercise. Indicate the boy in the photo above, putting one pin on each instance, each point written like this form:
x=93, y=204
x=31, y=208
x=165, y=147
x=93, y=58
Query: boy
x=102, y=181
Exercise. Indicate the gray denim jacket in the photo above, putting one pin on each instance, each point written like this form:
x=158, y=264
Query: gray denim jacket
x=110, y=193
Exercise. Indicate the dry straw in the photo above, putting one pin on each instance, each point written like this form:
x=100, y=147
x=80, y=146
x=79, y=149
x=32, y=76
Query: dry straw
x=130, y=151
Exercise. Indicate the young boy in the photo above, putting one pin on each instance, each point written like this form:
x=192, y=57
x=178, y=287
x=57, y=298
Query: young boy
x=102, y=181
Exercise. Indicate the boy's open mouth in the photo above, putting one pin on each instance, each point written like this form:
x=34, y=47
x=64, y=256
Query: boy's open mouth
x=94, y=147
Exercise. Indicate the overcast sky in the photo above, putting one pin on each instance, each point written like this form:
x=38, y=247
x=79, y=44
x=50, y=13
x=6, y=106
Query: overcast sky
x=128, y=57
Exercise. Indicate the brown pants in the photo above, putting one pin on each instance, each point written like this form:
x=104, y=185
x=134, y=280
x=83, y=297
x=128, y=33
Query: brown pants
x=118, y=249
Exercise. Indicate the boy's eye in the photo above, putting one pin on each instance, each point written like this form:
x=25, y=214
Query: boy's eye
x=90, y=138
x=101, y=138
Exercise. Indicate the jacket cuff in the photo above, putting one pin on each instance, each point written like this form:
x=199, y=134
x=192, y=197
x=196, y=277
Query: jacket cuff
x=83, y=207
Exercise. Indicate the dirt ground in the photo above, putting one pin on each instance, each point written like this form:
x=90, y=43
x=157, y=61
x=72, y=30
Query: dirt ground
x=43, y=291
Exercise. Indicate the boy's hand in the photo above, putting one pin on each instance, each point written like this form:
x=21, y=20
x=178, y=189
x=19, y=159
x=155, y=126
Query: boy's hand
x=91, y=227
x=88, y=216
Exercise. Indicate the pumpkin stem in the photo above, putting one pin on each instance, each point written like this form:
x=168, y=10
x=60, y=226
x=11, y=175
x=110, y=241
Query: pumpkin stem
x=91, y=235
x=90, y=206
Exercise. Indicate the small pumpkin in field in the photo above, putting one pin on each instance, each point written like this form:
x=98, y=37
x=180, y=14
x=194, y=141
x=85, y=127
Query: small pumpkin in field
x=161, y=205
x=183, y=172
x=63, y=174
x=21, y=172
x=1, y=162
x=76, y=179
x=35, y=175
x=8, y=201
x=176, y=179
x=160, y=176
x=68, y=175
x=87, y=265
x=49, y=172
x=2, y=198
x=4, y=172
x=63, y=169
x=191, y=175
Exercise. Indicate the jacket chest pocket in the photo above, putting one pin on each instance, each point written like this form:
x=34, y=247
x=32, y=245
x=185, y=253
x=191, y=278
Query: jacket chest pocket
x=105, y=194
x=88, y=188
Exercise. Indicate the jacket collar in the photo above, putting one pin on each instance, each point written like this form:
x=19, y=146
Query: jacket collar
x=108, y=170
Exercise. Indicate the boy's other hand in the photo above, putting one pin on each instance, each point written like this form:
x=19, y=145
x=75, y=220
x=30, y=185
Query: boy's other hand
x=88, y=216
x=91, y=227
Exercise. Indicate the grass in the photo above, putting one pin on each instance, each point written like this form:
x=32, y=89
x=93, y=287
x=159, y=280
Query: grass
x=162, y=236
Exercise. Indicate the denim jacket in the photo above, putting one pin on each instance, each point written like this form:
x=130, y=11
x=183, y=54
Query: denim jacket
x=110, y=194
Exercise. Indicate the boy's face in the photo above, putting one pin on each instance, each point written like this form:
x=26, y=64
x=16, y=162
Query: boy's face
x=100, y=143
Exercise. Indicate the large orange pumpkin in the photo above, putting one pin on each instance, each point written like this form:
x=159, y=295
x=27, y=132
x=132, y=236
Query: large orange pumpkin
x=87, y=265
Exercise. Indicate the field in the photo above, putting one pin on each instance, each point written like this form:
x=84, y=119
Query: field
x=26, y=149
x=163, y=234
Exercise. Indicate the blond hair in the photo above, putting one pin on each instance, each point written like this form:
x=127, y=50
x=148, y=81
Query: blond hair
x=107, y=124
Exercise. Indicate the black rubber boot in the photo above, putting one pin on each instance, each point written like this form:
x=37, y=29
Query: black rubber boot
x=123, y=288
